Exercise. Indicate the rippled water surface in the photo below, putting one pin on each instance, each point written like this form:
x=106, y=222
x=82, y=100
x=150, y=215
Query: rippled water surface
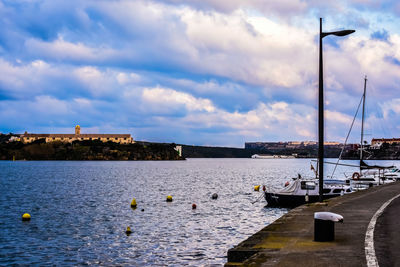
x=80, y=210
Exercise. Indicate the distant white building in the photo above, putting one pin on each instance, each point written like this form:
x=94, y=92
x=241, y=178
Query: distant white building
x=179, y=150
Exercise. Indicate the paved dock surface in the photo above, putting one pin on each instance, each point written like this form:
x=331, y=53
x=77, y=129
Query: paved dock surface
x=289, y=240
x=387, y=235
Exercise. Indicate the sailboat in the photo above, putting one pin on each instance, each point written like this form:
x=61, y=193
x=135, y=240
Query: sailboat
x=302, y=191
x=368, y=175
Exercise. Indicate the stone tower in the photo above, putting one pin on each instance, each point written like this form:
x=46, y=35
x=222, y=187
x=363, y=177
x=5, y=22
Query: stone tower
x=77, y=130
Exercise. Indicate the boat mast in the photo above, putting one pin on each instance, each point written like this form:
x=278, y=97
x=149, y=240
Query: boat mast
x=362, y=121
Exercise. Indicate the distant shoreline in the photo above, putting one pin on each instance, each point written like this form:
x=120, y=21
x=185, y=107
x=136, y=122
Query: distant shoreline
x=88, y=151
x=140, y=150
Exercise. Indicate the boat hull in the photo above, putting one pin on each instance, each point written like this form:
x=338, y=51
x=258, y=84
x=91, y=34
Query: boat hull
x=292, y=201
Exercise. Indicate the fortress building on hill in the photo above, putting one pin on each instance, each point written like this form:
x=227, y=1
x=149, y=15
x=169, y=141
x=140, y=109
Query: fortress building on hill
x=117, y=138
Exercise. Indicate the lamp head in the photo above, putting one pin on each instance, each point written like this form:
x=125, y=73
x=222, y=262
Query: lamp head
x=337, y=33
x=343, y=33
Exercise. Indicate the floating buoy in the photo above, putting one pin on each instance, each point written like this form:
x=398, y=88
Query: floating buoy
x=26, y=217
x=214, y=196
x=264, y=188
x=128, y=230
x=169, y=198
x=194, y=206
x=133, y=203
x=287, y=183
x=257, y=188
x=142, y=209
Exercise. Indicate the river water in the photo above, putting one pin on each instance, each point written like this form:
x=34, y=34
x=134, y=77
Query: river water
x=80, y=209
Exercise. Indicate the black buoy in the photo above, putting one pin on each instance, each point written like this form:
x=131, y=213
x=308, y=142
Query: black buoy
x=214, y=196
x=142, y=209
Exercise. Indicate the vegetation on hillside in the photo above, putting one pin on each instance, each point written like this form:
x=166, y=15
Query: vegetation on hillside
x=86, y=150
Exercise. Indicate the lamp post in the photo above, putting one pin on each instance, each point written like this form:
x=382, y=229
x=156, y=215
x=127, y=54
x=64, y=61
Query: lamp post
x=321, y=107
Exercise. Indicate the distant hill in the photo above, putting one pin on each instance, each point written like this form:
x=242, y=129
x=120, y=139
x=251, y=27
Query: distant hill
x=216, y=152
x=86, y=150
x=97, y=150
x=227, y=152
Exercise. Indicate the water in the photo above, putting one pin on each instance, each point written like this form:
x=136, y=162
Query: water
x=80, y=210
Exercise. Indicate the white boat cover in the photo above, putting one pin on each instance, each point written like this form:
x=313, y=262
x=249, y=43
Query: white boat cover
x=328, y=216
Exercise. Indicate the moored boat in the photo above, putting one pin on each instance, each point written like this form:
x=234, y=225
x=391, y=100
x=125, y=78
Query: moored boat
x=302, y=191
x=373, y=175
x=392, y=174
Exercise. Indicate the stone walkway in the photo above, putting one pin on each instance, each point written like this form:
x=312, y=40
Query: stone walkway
x=289, y=240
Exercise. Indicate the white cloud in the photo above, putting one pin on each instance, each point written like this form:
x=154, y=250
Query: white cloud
x=338, y=117
x=223, y=68
x=278, y=119
x=255, y=50
x=128, y=78
x=83, y=102
x=62, y=50
x=279, y=7
x=163, y=99
x=50, y=105
x=391, y=108
x=19, y=81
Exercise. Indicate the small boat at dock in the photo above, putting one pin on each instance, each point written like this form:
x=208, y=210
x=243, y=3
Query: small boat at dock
x=373, y=175
x=302, y=191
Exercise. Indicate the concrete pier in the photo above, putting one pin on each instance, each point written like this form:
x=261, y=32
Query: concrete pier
x=289, y=240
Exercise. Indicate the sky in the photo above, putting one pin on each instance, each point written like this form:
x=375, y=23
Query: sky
x=199, y=72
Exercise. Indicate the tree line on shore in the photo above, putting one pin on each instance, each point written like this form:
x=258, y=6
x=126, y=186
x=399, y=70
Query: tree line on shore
x=85, y=150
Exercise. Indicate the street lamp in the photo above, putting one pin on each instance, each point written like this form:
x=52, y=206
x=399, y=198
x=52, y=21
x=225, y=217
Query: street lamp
x=321, y=106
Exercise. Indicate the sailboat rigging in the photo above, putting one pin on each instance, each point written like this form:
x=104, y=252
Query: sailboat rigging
x=301, y=191
x=363, y=178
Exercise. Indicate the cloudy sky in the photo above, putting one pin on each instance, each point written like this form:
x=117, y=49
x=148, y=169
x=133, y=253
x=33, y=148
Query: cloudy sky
x=201, y=72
